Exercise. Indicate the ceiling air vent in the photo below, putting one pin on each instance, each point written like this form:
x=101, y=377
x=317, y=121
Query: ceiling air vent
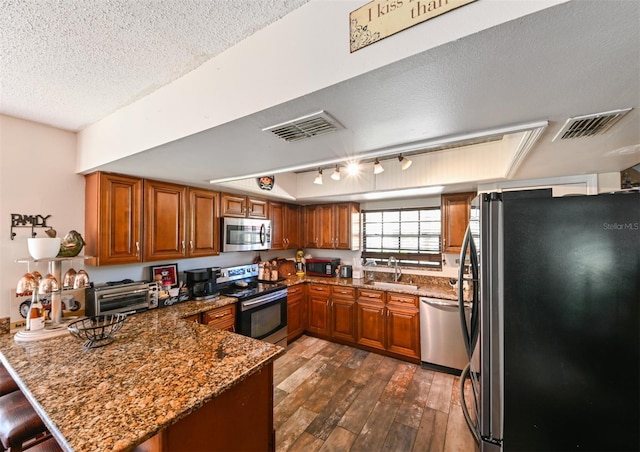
x=589, y=125
x=308, y=126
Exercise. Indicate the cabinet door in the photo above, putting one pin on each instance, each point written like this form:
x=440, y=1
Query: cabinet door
x=319, y=321
x=292, y=226
x=346, y=234
x=278, y=225
x=296, y=312
x=233, y=205
x=204, y=224
x=403, y=331
x=257, y=208
x=343, y=313
x=113, y=219
x=326, y=227
x=371, y=324
x=455, y=218
x=223, y=318
x=311, y=236
x=165, y=216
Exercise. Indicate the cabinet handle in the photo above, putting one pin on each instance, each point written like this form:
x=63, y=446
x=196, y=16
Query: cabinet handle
x=183, y=247
x=137, y=249
x=191, y=244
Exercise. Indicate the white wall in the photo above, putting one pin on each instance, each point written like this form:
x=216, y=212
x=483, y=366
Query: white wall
x=37, y=176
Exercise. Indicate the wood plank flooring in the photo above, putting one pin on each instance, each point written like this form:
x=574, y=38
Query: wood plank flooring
x=331, y=397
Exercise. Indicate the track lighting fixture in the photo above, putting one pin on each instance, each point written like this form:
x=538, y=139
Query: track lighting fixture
x=377, y=167
x=318, y=179
x=404, y=162
x=336, y=174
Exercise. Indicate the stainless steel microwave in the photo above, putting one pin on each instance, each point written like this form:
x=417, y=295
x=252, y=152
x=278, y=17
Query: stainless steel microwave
x=245, y=234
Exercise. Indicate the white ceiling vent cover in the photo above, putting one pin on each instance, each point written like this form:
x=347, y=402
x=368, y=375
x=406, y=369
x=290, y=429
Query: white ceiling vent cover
x=308, y=126
x=589, y=125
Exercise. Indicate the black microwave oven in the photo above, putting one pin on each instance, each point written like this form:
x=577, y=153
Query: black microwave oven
x=322, y=266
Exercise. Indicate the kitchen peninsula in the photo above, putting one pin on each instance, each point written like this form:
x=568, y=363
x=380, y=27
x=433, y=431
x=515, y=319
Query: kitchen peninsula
x=164, y=379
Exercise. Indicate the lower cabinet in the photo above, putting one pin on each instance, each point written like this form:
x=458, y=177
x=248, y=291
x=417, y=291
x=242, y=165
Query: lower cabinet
x=403, y=325
x=223, y=318
x=371, y=318
x=318, y=303
x=343, y=313
x=296, y=311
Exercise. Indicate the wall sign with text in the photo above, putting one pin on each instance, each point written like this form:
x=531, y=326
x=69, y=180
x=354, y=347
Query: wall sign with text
x=381, y=18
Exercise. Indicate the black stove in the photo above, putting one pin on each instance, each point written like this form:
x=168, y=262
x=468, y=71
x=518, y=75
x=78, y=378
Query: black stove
x=251, y=290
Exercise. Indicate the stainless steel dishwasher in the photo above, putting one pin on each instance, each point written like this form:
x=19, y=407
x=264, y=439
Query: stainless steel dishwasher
x=441, y=342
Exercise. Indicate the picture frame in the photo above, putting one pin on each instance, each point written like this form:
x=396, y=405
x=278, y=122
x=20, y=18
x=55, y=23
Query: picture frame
x=165, y=275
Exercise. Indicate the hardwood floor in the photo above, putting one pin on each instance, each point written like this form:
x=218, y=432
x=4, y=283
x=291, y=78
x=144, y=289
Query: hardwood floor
x=331, y=397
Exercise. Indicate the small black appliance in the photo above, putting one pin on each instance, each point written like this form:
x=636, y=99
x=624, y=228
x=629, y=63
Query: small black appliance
x=202, y=283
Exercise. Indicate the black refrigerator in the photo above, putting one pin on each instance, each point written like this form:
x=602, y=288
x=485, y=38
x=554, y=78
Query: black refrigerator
x=556, y=316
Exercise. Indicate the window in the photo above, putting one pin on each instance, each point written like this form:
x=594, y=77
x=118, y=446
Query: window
x=410, y=235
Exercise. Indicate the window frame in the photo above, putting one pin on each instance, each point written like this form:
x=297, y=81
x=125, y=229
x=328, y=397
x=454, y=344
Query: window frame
x=428, y=260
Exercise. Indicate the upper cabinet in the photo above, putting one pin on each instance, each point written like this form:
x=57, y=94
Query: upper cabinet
x=332, y=226
x=456, y=209
x=285, y=226
x=113, y=219
x=244, y=207
x=165, y=217
x=204, y=224
x=129, y=220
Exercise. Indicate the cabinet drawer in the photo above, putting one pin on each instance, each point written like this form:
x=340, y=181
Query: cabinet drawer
x=371, y=295
x=319, y=288
x=344, y=292
x=402, y=299
x=222, y=318
x=295, y=290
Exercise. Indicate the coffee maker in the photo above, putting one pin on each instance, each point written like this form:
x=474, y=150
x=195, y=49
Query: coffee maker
x=202, y=283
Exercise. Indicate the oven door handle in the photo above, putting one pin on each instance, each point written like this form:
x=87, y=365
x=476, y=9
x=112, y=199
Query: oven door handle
x=245, y=305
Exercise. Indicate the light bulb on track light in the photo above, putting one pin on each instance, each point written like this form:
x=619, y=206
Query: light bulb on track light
x=404, y=162
x=336, y=174
x=318, y=179
x=377, y=167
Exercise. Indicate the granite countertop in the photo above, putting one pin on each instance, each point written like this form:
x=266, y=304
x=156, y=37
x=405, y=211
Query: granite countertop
x=159, y=369
x=436, y=287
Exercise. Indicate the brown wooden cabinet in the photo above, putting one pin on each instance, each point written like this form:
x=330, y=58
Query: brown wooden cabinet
x=165, y=217
x=204, y=223
x=319, y=296
x=244, y=206
x=403, y=325
x=455, y=209
x=343, y=313
x=113, y=219
x=223, y=318
x=371, y=318
x=332, y=226
x=285, y=226
x=296, y=311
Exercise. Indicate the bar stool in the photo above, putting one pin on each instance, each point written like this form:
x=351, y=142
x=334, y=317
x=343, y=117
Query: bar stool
x=19, y=422
x=7, y=383
x=48, y=445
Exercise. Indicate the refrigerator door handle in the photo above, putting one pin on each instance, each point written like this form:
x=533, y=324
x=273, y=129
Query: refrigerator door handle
x=470, y=333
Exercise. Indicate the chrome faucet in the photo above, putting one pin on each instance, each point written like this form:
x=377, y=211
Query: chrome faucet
x=393, y=262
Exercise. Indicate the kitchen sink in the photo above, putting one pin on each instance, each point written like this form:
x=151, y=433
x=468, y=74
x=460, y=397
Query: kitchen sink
x=392, y=285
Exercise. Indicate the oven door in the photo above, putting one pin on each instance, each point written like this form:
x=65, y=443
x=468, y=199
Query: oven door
x=265, y=317
x=245, y=234
x=125, y=301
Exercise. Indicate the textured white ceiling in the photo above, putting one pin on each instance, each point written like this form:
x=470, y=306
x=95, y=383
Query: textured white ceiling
x=69, y=63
